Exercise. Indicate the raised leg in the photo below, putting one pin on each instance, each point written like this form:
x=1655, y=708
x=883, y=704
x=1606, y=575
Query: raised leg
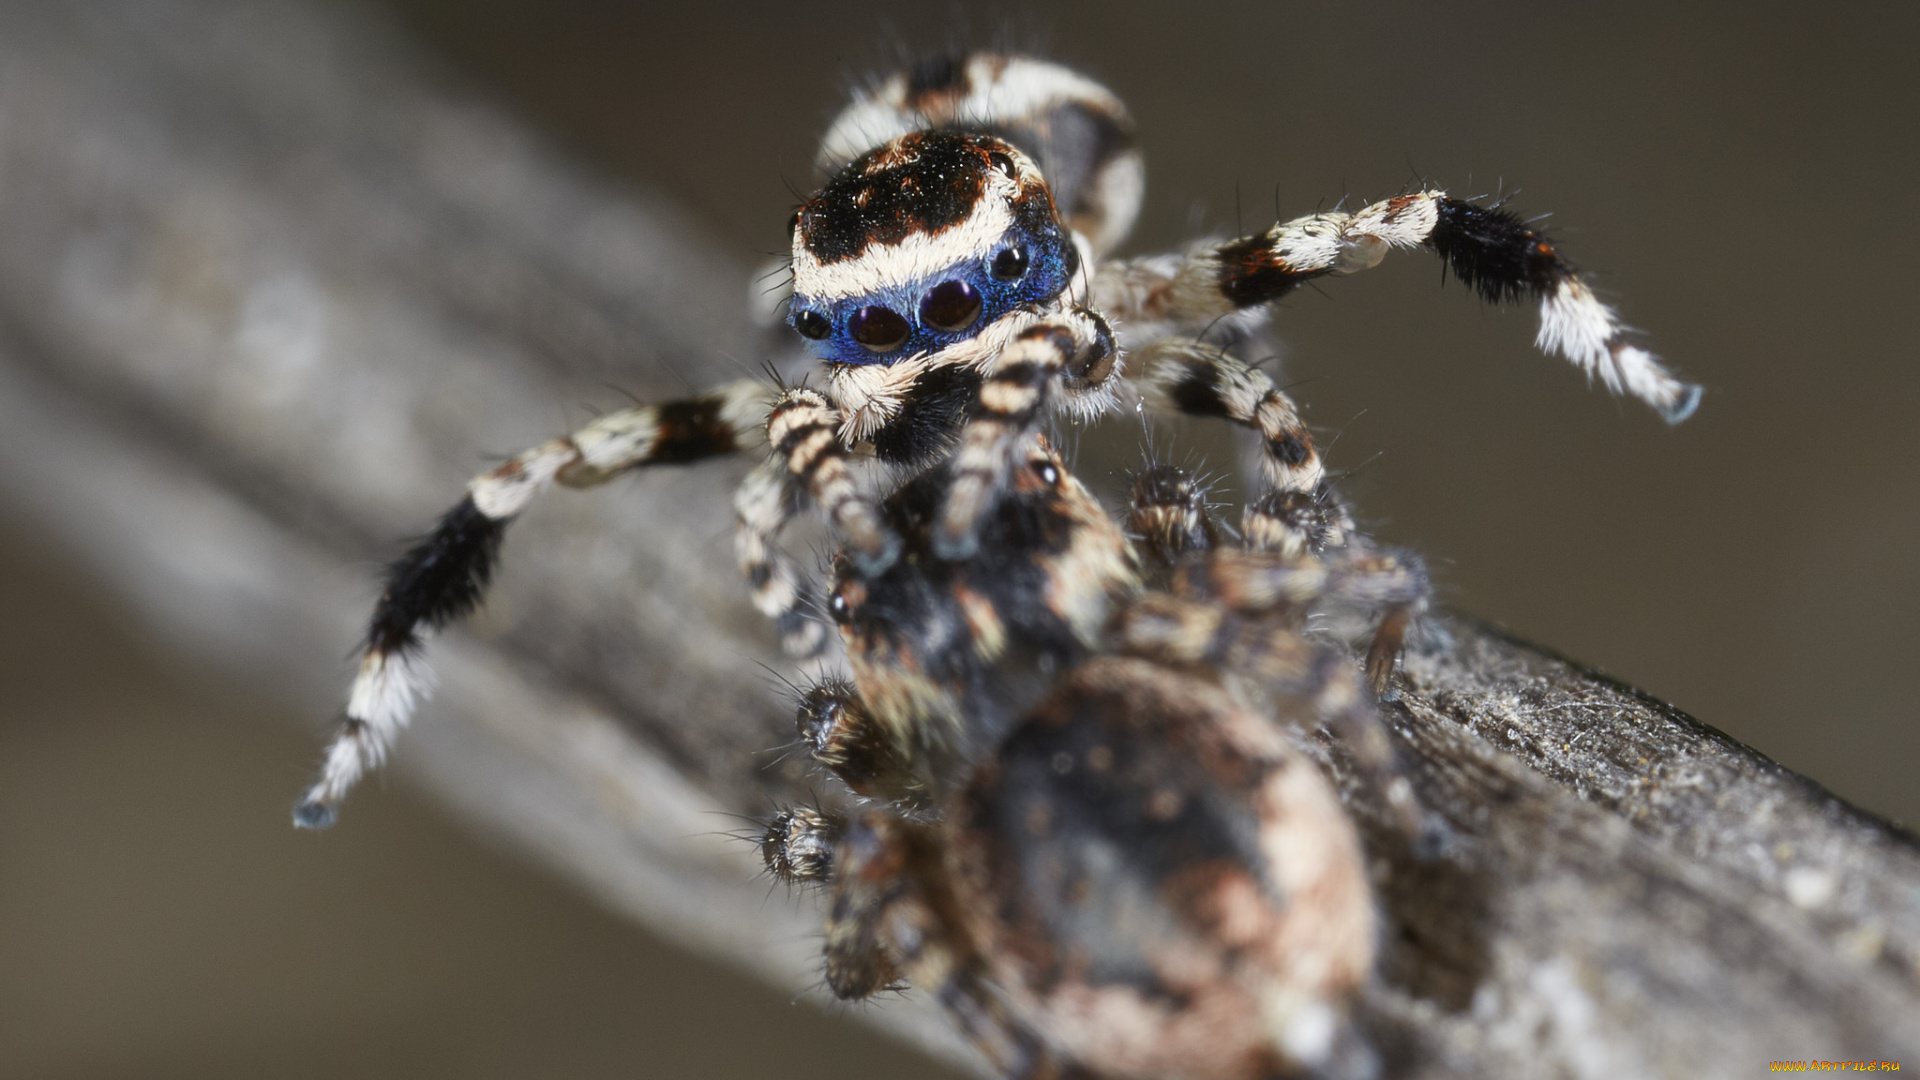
x=1196, y=379
x=1020, y=384
x=444, y=576
x=1488, y=247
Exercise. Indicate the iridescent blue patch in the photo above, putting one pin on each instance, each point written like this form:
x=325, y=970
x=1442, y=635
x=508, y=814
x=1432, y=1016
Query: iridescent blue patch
x=1051, y=262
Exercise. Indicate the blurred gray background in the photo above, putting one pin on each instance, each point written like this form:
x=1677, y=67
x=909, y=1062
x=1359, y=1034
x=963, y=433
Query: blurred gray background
x=1736, y=179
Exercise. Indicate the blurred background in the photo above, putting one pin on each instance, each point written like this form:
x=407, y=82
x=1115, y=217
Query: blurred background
x=1735, y=179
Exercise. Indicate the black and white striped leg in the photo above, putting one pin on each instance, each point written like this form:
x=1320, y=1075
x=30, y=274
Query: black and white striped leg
x=1196, y=379
x=1020, y=384
x=804, y=431
x=445, y=575
x=1488, y=247
x=766, y=500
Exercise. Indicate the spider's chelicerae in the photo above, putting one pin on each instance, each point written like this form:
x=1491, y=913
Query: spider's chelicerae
x=1080, y=820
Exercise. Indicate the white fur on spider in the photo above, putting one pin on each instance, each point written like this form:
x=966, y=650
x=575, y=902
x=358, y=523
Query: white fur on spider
x=1576, y=325
x=999, y=89
x=1002, y=92
x=917, y=256
x=389, y=687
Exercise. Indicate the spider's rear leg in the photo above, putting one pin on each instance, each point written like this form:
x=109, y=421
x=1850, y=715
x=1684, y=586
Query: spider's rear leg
x=444, y=576
x=1488, y=247
x=1241, y=611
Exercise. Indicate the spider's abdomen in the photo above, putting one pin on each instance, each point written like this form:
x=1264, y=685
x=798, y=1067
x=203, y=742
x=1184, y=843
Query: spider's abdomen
x=1161, y=881
x=922, y=243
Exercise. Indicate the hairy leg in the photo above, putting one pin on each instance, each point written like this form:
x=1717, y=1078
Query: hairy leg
x=1488, y=247
x=444, y=576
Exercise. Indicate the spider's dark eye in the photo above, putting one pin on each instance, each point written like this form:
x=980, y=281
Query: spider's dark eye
x=879, y=329
x=1046, y=472
x=1010, y=264
x=840, y=609
x=950, y=305
x=812, y=324
x=1003, y=163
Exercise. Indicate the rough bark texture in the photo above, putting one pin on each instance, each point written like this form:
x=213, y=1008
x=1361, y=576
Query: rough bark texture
x=264, y=292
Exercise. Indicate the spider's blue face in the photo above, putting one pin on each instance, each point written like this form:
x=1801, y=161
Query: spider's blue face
x=922, y=243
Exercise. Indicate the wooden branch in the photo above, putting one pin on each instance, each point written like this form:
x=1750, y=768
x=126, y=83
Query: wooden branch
x=265, y=292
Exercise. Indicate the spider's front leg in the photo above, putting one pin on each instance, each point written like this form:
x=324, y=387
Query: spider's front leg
x=445, y=575
x=1488, y=247
x=1074, y=349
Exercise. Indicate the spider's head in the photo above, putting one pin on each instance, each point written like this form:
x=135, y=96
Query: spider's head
x=921, y=244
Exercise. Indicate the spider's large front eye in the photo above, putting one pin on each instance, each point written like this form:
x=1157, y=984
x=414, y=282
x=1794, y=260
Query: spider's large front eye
x=950, y=305
x=879, y=329
x=812, y=324
x=1010, y=264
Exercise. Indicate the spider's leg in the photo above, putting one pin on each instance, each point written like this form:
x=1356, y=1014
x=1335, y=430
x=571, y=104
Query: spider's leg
x=1019, y=385
x=444, y=576
x=1240, y=610
x=803, y=430
x=798, y=844
x=1167, y=510
x=849, y=741
x=1190, y=377
x=1488, y=247
x=1295, y=523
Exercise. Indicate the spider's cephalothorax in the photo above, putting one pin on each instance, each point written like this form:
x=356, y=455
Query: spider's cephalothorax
x=1029, y=690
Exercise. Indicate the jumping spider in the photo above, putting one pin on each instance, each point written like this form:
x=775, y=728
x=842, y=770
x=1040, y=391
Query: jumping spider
x=954, y=278
x=1085, y=822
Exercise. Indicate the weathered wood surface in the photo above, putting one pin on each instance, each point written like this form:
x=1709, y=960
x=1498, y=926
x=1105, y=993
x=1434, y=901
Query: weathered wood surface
x=266, y=295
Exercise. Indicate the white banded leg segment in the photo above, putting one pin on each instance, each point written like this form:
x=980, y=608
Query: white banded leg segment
x=763, y=504
x=1018, y=387
x=1196, y=379
x=1487, y=247
x=444, y=576
x=803, y=430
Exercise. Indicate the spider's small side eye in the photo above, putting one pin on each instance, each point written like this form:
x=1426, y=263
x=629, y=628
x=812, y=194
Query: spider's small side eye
x=1048, y=474
x=1010, y=264
x=812, y=324
x=950, y=305
x=1004, y=164
x=879, y=329
x=841, y=610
